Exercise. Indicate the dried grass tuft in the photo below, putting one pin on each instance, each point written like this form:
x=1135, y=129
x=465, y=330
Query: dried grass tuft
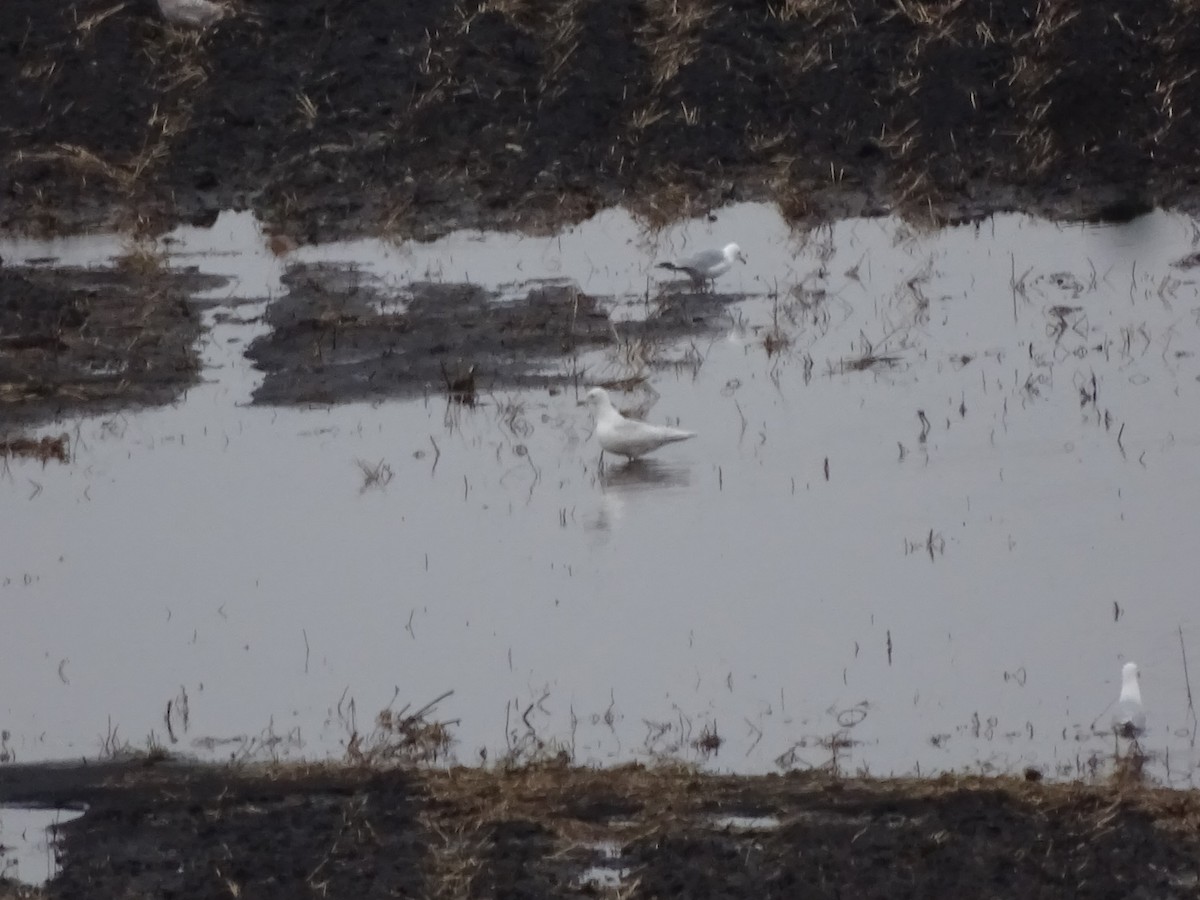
x=401, y=737
x=672, y=36
x=145, y=258
x=42, y=449
x=86, y=25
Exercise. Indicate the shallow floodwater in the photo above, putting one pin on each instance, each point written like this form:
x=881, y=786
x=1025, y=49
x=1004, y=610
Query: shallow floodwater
x=923, y=535
x=27, y=842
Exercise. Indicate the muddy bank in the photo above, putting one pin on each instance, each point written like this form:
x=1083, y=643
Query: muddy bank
x=83, y=341
x=417, y=118
x=339, y=334
x=180, y=831
x=89, y=340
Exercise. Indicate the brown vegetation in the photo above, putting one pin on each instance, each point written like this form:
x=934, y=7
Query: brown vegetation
x=552, y=830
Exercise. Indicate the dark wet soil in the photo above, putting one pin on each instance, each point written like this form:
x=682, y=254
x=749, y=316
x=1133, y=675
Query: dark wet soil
x=337, y=118
x=201, y=832
x=339, y=334
x=90, y=340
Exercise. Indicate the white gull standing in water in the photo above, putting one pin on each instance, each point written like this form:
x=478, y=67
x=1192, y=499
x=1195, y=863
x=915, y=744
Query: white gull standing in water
x=192, y=13
x=1129, y=719
x=706, y=265
x=628, y=437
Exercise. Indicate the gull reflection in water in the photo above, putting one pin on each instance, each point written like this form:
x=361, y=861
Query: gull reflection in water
x=623, y=479
x=644, y=473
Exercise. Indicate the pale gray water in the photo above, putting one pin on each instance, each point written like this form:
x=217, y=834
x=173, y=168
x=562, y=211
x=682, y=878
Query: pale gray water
x=232, y=554
x=27, y=842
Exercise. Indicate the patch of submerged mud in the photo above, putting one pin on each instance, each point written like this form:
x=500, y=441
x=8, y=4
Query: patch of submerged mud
x=43, y=449
x=419, y=118
x=339, y=334
x=549, y=831
x=87, y=340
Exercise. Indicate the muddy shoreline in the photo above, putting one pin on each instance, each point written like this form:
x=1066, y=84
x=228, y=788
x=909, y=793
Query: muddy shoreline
x=338, y=335
x=416, y=119
x=90, y=341
x=93, y=340
x=175, y=829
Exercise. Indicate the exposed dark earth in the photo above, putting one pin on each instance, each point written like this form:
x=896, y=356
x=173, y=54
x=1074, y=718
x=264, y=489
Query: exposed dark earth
x=549, y=831
x=94, y=340
x=339, y=335
x=86, y=341
x=349, y=117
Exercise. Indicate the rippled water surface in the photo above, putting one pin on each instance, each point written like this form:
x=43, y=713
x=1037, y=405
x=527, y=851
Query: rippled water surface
x=922, y=533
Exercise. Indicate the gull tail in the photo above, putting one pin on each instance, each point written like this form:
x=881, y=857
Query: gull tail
x=670, y=435
x=669, y=265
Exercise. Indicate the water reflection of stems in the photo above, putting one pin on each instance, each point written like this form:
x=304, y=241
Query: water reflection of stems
x=1188, y=684
x=375, y=475
x=530, y=747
